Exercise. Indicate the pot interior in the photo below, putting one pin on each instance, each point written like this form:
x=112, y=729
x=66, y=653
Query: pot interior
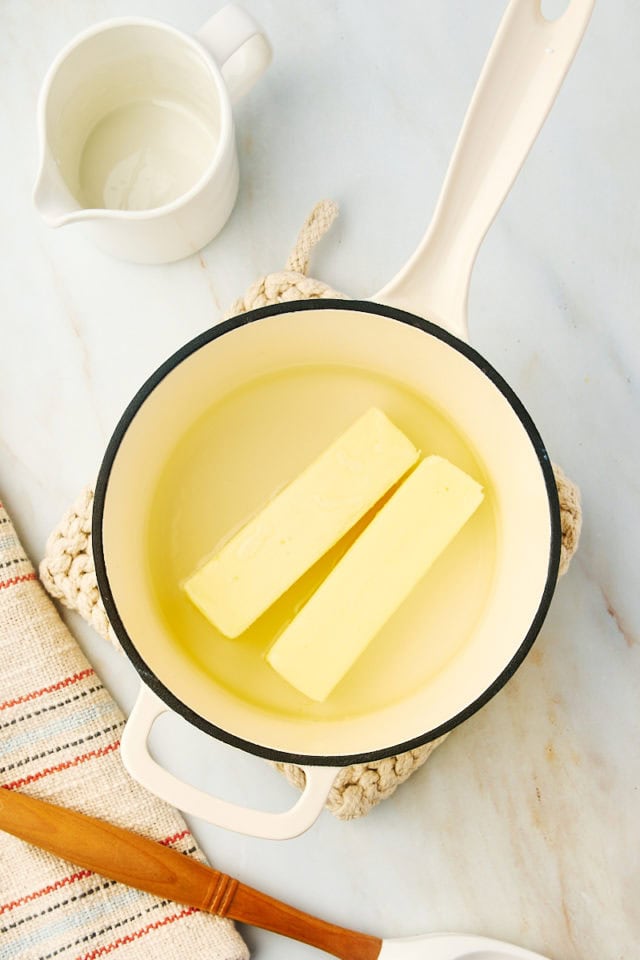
x=229, y=421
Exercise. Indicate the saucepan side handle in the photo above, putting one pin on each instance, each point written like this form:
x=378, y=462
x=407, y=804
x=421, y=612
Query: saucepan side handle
x=256, y=823
x=523, y=72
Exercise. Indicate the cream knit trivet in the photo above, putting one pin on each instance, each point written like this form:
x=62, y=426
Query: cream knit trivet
x=67, y=570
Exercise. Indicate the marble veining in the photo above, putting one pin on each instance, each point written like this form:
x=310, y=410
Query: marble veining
x=524, y=825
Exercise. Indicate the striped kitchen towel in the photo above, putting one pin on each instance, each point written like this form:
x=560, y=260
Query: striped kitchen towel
x=59, y=737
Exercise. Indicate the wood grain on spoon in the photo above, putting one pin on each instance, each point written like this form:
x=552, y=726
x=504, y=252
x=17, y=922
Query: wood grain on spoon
x=121, y=855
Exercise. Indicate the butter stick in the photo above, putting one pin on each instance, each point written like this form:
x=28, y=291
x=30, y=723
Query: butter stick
x=374, y=576
x=301, y=523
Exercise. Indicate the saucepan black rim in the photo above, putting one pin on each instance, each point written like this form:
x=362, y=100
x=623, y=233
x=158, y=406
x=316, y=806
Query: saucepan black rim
x=149, y=677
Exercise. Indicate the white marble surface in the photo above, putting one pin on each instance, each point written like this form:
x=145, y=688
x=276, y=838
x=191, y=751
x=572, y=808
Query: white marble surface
x=525, y=824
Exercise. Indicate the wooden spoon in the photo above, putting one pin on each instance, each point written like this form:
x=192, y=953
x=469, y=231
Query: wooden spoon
x=129, y=858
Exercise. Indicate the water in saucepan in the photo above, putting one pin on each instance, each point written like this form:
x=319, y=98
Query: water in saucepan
x=232, y=461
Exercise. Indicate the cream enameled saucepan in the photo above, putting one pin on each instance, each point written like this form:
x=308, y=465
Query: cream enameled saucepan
x=386, y=338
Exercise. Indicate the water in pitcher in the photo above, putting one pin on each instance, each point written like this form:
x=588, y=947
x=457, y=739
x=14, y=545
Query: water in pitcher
x=144, y=155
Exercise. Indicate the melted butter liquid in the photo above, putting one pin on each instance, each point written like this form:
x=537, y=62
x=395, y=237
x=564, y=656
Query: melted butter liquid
x=143, y=155
x=233, y=460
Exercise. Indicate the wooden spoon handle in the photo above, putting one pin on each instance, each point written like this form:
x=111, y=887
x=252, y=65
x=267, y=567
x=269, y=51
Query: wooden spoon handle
x=121, y=855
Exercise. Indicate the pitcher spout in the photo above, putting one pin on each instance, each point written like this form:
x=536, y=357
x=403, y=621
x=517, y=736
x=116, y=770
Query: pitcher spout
x=52, y=198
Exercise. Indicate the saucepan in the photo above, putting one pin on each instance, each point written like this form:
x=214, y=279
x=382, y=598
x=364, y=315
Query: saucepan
x=284, y=381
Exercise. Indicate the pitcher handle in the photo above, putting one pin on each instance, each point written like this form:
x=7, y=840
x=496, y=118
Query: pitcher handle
x=255, y=823
x=239, y=46
x=523, y=72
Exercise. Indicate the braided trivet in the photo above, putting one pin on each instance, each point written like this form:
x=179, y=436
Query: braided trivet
x=68, y=574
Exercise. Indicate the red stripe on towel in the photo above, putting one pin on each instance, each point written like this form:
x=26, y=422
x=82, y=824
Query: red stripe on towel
x=54, y=686
x=177, y=836
x=51, y=888
x=12, y=582
x=79, y=875
x=91, y=755
x=131, y=937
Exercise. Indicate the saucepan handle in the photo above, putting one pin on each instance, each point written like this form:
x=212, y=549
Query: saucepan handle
x=518, y=84
x=256, y=823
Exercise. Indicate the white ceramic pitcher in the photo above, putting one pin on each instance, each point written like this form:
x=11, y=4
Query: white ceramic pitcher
x=136, y=132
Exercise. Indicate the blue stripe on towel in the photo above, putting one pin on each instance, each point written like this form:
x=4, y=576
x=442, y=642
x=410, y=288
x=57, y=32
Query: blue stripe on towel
x=45, y=729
